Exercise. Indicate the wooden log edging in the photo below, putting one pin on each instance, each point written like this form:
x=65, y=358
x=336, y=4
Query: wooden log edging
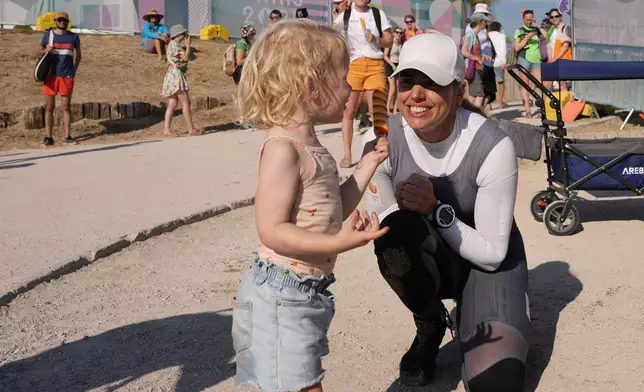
x=34, y=117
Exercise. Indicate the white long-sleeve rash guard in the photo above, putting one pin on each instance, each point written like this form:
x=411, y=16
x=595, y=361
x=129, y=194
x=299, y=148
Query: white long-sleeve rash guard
x=487, y=245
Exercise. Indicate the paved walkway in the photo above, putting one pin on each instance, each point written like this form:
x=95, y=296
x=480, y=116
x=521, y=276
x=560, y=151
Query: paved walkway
x=59, y=204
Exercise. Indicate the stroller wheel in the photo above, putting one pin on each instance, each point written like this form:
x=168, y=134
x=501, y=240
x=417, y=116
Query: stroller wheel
x=540, y=202
x=557, y=226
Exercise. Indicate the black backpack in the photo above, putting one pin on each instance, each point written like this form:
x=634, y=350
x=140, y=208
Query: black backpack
x=376, y=18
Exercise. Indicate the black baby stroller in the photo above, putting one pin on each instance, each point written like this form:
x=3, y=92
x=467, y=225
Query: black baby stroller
x=576, y=164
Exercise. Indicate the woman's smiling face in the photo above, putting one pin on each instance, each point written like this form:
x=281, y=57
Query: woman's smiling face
x=423, y=103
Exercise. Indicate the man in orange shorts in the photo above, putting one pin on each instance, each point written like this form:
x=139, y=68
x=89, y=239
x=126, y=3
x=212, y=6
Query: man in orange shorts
x=66, y=55
x=368, y=31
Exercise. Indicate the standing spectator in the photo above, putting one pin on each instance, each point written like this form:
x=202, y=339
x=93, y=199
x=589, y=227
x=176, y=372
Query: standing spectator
x=242, y=47
x=526, y=46
x=301, y=13
x=411, y=29
x=66, y=57
x=561, y=40
x=471, y=50
x=154, y=35
x=275, y=16
x=481, y=12
x=499, y=41
x=175, y=84
x=367, y=68
x=547, y=26
x=391, y=60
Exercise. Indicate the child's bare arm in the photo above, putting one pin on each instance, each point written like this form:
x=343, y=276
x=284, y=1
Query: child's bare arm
x=279, y=178
x=352, y=189
x=186, y=54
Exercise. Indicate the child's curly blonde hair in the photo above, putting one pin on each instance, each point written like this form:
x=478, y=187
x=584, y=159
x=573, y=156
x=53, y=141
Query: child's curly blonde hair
x=286, y=71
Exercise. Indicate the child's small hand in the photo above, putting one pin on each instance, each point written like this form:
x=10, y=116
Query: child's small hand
x=48, y=48
x=380, y=151
x=358, y=231
x=188, y=41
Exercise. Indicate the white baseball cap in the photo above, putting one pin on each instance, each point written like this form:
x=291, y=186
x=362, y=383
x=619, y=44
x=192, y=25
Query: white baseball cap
x=435, y=55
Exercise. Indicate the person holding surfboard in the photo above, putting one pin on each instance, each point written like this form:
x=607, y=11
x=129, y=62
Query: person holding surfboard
x=64, y=48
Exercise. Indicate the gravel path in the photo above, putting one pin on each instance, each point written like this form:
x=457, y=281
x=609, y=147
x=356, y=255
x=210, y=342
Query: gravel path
x=156, y=316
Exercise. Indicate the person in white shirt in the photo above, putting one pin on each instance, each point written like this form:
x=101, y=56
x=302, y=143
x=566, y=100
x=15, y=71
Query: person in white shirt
x=447, y=192
x=368, y=31
x=499, y=41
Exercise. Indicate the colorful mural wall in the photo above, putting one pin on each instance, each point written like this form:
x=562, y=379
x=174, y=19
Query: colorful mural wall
x=125, y=15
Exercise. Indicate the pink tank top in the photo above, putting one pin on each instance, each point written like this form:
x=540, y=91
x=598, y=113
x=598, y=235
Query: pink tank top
x=317, y=208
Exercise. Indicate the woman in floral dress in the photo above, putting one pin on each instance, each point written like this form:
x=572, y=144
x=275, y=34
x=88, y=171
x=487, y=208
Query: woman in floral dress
x=175, y=84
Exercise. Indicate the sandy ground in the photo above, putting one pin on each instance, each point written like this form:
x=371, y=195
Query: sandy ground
x=94, y=132
x=113, y=69
x=156, y=317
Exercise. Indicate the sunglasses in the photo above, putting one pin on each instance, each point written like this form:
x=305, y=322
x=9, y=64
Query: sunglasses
x=409, y=21
x=397, y=32
x=62, y=20
x=555, y=16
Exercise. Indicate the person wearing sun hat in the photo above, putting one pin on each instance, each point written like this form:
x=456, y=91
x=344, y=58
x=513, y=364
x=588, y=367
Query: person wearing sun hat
x=482, y=89
x=154, y=35
x=447, y=193
x=175, y=84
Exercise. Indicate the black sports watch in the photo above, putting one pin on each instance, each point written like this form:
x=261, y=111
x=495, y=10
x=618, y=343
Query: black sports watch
x=443, y=215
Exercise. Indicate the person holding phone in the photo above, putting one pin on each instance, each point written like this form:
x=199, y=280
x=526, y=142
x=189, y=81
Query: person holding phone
x=526, y=47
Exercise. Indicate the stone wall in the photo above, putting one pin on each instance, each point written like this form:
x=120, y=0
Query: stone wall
x=34, y=117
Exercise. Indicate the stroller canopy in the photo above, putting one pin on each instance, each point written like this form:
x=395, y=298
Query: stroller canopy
x=592, y=70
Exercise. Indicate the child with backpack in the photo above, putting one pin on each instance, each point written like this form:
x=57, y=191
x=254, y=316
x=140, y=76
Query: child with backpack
x=283, y=309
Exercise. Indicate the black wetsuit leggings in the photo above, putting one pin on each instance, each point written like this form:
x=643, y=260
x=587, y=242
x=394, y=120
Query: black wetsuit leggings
x=492, y=318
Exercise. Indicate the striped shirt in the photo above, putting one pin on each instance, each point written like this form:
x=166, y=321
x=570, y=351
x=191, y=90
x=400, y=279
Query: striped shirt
x=63, y=53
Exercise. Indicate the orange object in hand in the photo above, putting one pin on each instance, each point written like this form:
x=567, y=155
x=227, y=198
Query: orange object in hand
x=380, y=117
x=363, y=24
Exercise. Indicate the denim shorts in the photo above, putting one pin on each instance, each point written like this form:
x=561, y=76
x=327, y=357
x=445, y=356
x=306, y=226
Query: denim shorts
x=280, y=325
x=528, y=65
x=499, y=74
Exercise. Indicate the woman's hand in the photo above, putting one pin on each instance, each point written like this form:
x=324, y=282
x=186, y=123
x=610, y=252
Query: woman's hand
x=479, y=60
x=188, y=42
x=416, y=194
x=358, y=231
x=379, y=153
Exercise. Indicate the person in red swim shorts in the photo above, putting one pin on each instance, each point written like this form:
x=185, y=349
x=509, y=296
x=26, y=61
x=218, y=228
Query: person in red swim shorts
x=66, y=56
